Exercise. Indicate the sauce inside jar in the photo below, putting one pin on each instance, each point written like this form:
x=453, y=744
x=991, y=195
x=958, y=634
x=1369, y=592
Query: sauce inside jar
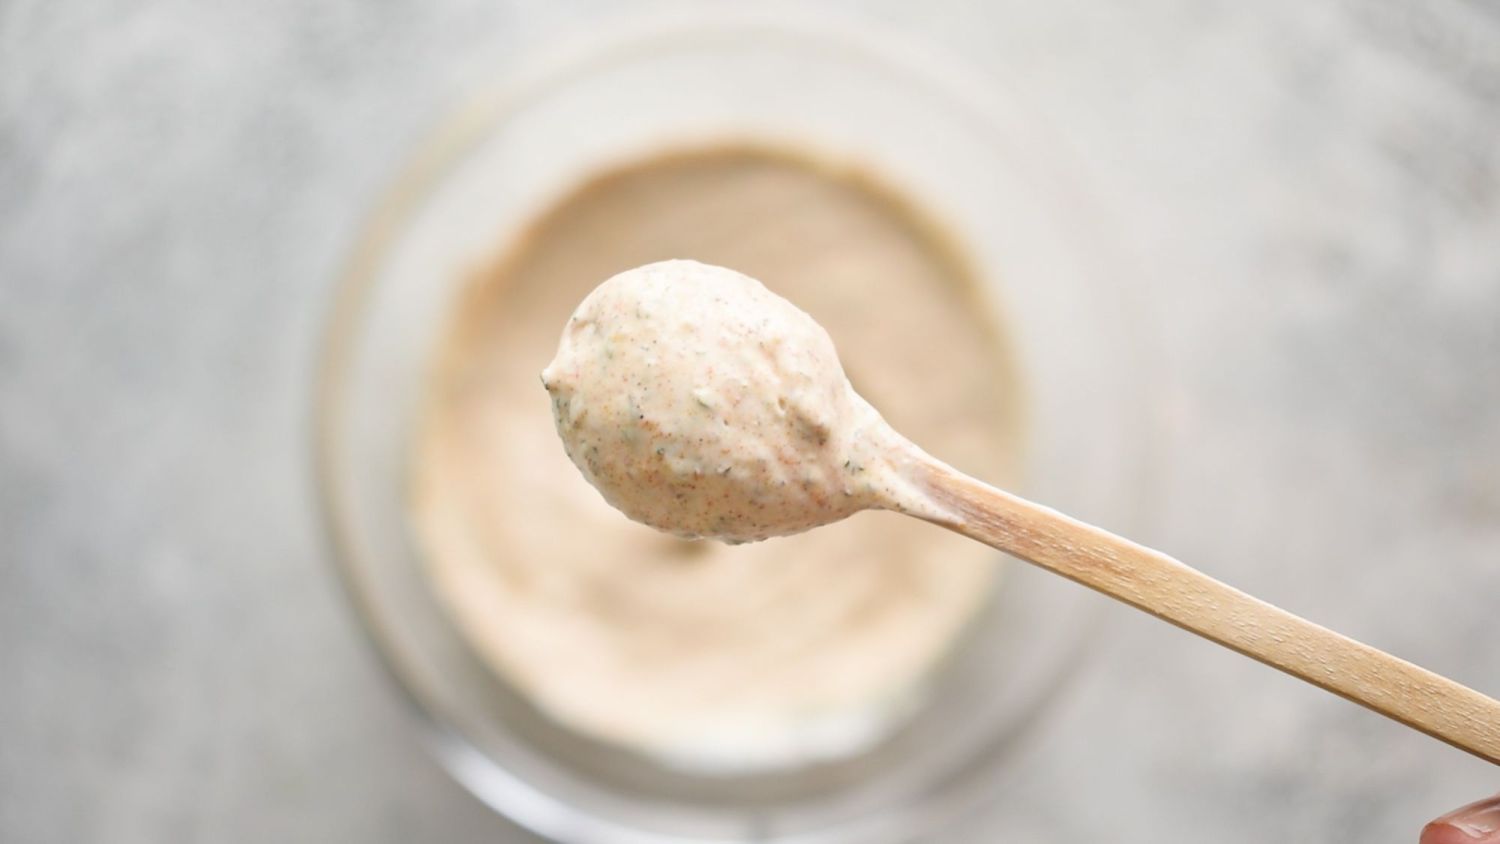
x=771, y=653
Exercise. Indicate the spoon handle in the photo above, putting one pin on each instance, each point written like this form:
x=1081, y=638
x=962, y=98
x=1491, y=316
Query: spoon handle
x=1152, y=581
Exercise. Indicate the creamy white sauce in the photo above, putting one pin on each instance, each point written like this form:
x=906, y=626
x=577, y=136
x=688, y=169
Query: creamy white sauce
x=700, y=403
x=705, y=654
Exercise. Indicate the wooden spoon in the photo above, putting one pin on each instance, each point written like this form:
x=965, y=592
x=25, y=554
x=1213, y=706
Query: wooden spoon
x=1151, y=581
x=757, y=453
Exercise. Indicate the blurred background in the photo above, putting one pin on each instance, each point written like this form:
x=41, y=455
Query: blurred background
x=1309, y=196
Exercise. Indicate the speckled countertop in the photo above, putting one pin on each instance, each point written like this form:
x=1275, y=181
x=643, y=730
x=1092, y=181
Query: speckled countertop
x=1311, y=193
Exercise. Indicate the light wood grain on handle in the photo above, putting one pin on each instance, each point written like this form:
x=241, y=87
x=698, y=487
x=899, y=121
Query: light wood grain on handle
x=1162, y=586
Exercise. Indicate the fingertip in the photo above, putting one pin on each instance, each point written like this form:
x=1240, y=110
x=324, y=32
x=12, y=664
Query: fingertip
x=1442, y=832
x=1476, y=823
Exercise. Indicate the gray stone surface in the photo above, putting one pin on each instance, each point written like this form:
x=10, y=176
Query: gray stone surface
x=1311, y=193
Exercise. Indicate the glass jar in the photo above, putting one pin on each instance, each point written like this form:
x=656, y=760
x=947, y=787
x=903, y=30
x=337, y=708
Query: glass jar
x=977, y=160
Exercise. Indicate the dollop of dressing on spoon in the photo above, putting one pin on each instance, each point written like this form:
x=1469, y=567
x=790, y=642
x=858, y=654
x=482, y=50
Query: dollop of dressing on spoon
x=702, y=404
